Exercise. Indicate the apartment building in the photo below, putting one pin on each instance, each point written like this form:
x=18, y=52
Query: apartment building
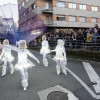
x=62, y=13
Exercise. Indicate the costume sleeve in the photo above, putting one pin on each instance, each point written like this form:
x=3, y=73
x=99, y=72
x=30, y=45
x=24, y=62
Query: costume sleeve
x=2, y=53
x=64, y=54
x=12, y=48
x=53, y=50
x=42, y=43
x=47, y=44
x=31, y=55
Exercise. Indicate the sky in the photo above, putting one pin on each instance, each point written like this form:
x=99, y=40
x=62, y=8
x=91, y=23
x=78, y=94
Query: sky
x=2, y=2
x=9, y=10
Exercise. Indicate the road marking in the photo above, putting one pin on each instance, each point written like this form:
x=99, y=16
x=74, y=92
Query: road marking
x=44, y=93
x=82, y=83
x=92, y=75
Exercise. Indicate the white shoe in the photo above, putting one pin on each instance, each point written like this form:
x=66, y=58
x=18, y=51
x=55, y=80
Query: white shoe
x=46, y=65
x=58, y=73
x=3, y=75
x=12, y=69
x=3, y=70
x=24, y=84
x=65, y=73
x=45, y=62
x=25, y=89
x=12, y=72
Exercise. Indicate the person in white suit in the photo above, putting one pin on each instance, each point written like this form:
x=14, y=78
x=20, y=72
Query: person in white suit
x=45, y=50
x=60, y=57
x=23, y=62
x=6, y=56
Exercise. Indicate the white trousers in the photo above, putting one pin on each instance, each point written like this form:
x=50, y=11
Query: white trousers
x=60, y=65
x=24, y=75
x=45, y=61
x=5, y=66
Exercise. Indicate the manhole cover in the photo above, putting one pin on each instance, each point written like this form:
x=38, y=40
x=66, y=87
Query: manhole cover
x=57, y=95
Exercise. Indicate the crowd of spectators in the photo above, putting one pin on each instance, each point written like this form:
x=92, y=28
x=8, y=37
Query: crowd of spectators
x=74, y=38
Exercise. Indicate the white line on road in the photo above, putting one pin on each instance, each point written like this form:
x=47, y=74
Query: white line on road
x=82, y=83
x=92, y=75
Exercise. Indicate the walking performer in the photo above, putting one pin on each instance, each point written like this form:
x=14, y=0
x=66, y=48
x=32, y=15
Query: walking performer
x=23, y=63
x=60, y=57
x=6, y=56
x=45, y=50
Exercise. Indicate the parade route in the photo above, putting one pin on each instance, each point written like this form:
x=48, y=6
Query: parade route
x=44, y=81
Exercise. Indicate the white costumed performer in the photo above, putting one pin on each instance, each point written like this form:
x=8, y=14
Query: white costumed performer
x=45, y=50
x=60, y=57
x=23, y=62
x=6, y=56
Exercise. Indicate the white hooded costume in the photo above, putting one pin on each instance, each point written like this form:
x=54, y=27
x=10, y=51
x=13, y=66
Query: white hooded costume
x=60, y=57
x=6, y=56
x=23, y=62
x=45, y=50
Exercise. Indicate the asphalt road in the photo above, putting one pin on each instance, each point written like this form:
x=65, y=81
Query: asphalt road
x=41, y=78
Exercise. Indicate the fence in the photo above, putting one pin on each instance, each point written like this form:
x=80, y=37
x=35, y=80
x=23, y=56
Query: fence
x=71, y=44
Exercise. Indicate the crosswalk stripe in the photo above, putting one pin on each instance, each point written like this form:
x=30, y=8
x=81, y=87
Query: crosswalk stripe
x=92, y=75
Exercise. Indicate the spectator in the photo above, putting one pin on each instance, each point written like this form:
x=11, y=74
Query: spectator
x=96, y=26
x=74, y=40
x=35, y=42
x=95, y=38
x=74, y=37
x=89, y=39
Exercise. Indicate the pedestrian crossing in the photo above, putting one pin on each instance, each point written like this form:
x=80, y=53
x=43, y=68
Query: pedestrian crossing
x=93, y=76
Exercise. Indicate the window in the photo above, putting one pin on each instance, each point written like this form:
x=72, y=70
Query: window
x=33, y=6
x=60, y=18
x=72, y=18
x=72, y=5
x=82, y=19
x=83, y=7
x=47, y=19
x=94, y=20
x=60, y=4
x=94, y=8
x=23, y=3
x=47, y=5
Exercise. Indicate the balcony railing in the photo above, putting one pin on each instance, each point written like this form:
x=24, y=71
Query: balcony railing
x=49, y=23
x=47, y=9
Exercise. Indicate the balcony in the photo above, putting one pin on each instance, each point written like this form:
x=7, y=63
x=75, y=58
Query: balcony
x=47, y=9
x=49, y=23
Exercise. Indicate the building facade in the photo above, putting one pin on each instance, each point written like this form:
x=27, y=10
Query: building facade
x=62, y=13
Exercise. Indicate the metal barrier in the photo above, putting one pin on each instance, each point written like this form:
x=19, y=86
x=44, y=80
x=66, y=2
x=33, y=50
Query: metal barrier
x=73, y=44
